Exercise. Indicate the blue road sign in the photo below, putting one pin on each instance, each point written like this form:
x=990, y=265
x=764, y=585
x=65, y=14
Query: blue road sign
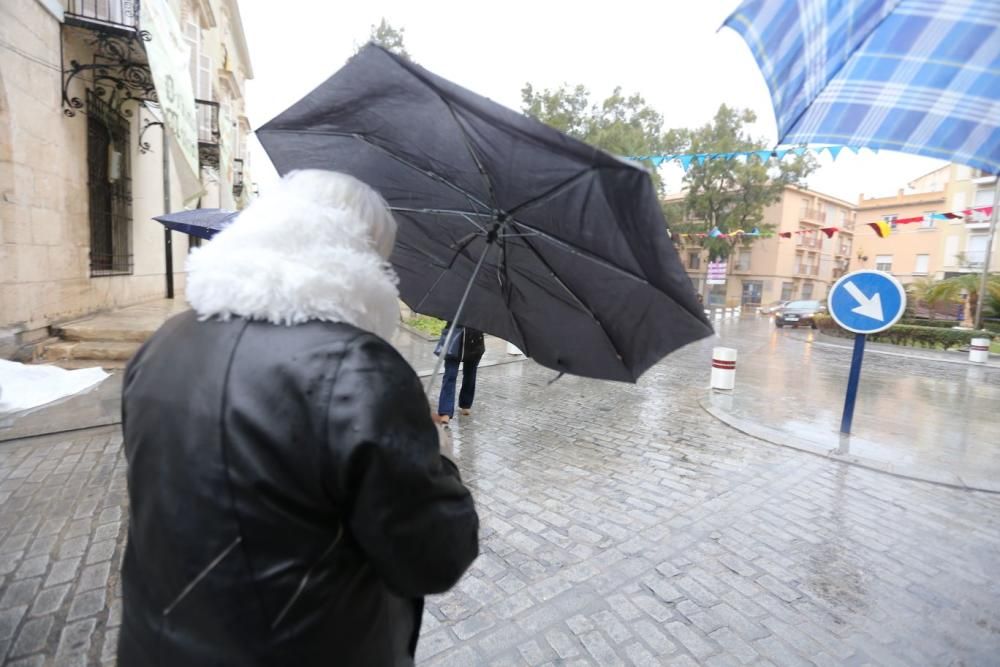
x=866, y=301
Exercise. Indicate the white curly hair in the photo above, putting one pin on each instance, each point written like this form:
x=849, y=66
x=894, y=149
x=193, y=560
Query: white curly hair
x=313, y=248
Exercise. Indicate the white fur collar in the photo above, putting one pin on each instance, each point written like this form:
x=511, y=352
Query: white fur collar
x=287, y=260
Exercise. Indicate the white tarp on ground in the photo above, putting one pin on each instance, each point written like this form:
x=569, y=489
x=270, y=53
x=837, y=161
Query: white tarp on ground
x=23, y=387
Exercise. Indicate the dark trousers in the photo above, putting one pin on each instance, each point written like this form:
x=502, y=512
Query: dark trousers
x=446, y=403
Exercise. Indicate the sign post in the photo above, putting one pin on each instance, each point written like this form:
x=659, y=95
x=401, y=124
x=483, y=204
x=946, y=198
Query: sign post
x=864, y=302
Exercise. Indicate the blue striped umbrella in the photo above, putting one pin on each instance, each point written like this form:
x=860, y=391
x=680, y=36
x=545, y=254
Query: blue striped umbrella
x=916, y=76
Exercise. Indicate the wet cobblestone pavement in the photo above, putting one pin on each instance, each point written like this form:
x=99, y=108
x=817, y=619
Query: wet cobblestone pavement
x=620, y=525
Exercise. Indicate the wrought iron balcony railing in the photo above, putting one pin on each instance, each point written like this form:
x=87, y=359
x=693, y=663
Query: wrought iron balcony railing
x=207, y=116
x=121, y=14
x=237, y=177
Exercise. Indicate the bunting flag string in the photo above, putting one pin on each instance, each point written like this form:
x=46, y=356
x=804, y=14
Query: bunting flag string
x=761, y=156
x=882, y=228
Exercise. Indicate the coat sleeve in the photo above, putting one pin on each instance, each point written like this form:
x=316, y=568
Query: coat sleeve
x=406, y=505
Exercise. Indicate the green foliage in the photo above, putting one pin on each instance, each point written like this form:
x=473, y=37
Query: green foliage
x=727, y=194
x=951, y=289
x=384, y=34
x=431, y=326
x=939, y=324
x=622, y=124
x=933, y=337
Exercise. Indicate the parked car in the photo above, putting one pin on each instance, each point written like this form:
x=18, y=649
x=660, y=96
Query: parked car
x=796, y=313
x=772, y=308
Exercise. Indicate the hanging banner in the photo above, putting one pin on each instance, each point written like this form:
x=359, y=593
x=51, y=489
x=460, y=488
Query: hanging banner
x=716, y=273
x=168, y=62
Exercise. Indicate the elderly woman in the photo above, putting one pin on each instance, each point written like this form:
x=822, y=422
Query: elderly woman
x=292, y=500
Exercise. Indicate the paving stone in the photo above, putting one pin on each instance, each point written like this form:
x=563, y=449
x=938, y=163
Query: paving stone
x=33, y=636
x=647, y=533
x=49, y=600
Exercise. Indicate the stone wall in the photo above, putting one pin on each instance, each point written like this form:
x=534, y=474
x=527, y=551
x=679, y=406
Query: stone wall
x=44, y=224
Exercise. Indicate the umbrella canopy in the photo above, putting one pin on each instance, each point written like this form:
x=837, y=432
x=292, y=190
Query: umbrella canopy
x=565, y=246
x=201, y=222
x=917, y=76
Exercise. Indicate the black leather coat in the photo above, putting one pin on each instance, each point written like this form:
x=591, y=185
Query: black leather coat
x=289, y=504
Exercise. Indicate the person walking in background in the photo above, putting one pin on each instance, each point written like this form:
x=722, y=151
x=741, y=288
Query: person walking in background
x=467, y=348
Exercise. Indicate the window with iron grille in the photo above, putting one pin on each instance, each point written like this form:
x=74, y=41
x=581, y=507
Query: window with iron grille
x=109, y=185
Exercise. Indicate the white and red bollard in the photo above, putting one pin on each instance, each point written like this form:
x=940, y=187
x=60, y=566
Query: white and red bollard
x=979, y=350
x=723, y=368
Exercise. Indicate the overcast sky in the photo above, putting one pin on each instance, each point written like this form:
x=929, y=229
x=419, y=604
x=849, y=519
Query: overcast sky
x=670, y=51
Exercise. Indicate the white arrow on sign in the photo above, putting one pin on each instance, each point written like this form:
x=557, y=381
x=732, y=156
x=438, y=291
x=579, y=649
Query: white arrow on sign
x=868, y=307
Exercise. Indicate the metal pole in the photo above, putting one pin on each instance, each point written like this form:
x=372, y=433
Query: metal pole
x=168, y=245
x=852, y=383
x=458, y=314
x=989, y=251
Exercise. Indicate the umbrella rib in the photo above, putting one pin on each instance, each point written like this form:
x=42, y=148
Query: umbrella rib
x=505, y=288
x=555, y=190
x=435, y=211
x=467, y=139
x=581, y=253
x=581, y=304
x=430, y=174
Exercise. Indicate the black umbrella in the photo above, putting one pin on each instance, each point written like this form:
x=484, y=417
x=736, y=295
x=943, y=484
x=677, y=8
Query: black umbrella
x=559, y=247
x=201, y=222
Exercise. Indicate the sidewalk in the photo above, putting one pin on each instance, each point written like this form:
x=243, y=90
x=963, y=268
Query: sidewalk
x=101, y=406
x=922, y=416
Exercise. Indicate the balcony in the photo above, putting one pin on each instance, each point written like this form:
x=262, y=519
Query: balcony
x=971, y=259
x=809, y=242
x=118, y=68
x=237, y=177
x=120, y=15
x=811, y=215
x=207, y=115
x=807, y=270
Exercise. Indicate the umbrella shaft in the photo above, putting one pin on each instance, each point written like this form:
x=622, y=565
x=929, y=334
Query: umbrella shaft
x=456, y=320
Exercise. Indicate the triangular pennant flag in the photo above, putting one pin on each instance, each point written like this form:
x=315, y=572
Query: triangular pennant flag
x=909, y=221
x=881, y=228
x=952, y=216
x=755, y=232
x=854, y=149
x=785, y=235
x=657, y=160
x=686, y=161
x=701, y=157
x=780, y=153
x=763, y=156
x=829, y=231
x=800, y=151
x=835, y=151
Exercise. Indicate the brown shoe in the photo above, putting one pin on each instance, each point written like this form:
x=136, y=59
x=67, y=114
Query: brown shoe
x=466, y=412
x=444, y=419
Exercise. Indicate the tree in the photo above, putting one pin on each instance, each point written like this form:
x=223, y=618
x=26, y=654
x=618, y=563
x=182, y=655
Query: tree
x=730, y=195
x=621, y=125
x=951, y=289
x=385, y=35
x=927, y=291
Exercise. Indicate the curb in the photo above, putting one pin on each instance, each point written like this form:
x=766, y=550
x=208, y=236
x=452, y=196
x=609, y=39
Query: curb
x=782, y=439
x=890, y=353
x=417, y=332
